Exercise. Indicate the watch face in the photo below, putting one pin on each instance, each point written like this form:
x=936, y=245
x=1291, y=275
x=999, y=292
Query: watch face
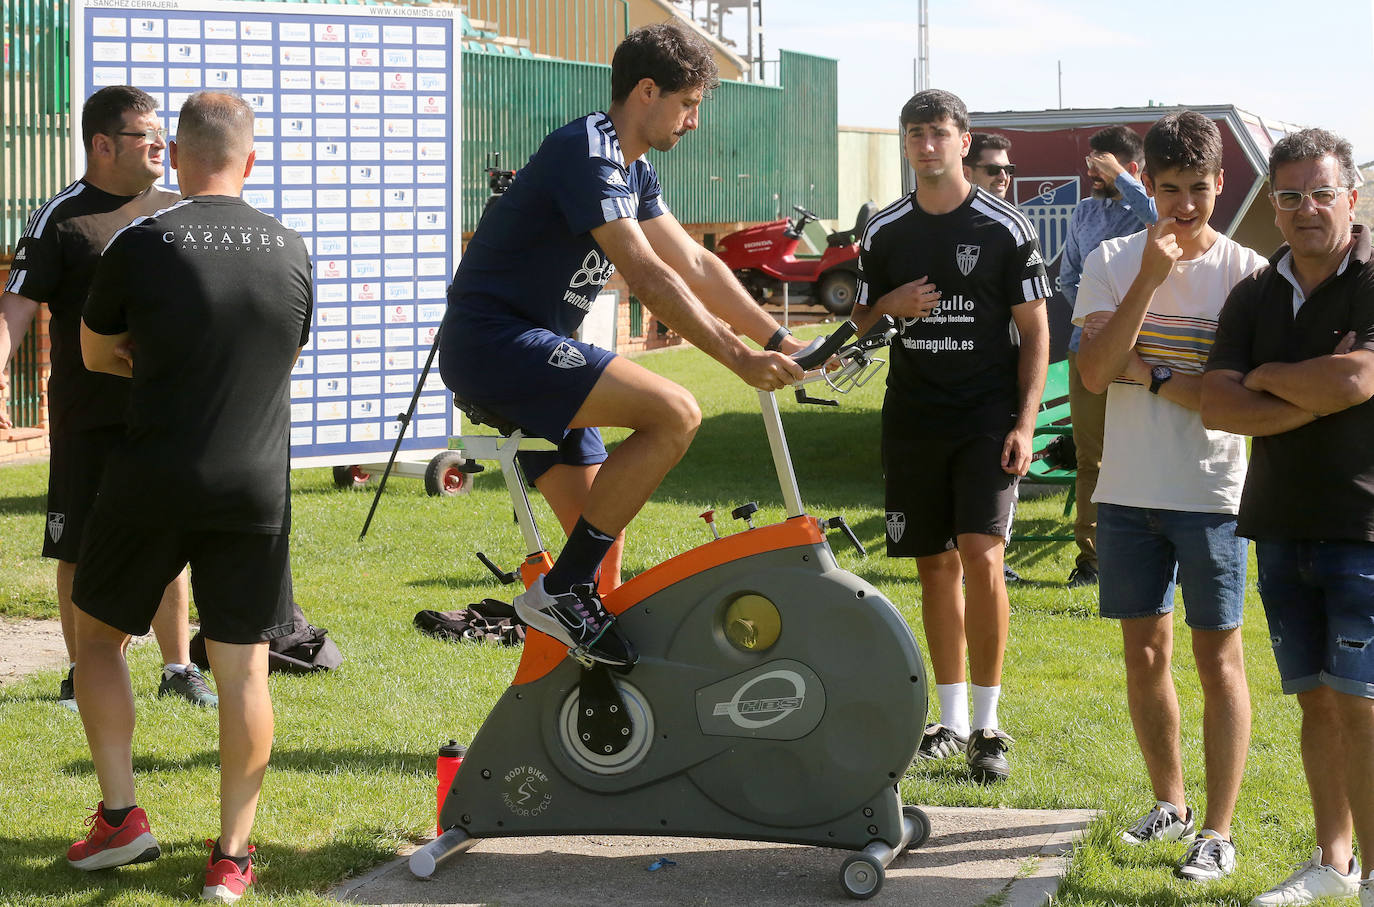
x=1161, y=373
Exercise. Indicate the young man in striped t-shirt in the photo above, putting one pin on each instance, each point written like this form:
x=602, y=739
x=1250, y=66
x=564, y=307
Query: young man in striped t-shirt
x=1169, y=489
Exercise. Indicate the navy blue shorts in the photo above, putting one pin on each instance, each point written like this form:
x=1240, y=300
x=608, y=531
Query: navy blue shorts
x=529, y=375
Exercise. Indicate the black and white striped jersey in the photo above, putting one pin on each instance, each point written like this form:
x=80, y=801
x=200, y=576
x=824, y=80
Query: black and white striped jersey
x=956, y=369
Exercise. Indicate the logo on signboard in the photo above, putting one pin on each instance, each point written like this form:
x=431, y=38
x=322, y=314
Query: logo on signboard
x=1049, y=202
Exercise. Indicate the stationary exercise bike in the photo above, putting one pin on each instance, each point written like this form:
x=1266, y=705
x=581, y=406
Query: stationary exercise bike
x=777, y=696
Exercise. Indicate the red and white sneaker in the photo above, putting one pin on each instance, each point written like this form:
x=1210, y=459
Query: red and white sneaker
x=224, y=882
x=105, y=846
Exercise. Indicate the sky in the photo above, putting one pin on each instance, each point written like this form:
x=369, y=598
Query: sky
x=1309, y=70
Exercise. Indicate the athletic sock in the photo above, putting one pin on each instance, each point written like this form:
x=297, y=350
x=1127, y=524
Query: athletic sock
x=241, y=862
x=169, y=669
x=953, y=706
x=587, y=547
x=115, y=817
x=985, y=705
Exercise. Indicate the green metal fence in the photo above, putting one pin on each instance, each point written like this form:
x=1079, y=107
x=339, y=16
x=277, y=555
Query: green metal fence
x=759, y=149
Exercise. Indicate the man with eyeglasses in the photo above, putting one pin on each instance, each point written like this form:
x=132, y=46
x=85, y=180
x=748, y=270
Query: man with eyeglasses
x=1293, y=366
x=1119, y=206
x=988, y=165
x=53, y=264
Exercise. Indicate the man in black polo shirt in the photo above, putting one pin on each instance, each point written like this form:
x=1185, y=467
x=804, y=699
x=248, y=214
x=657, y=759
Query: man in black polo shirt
x=958, y=266
x=53, y=264
x=1293, y=365
x=202, y=475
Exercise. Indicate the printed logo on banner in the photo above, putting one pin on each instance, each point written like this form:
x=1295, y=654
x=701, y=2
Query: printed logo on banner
x=1049, y=202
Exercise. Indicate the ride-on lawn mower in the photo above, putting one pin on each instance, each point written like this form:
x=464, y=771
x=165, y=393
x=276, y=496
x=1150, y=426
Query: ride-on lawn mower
x=766, y=257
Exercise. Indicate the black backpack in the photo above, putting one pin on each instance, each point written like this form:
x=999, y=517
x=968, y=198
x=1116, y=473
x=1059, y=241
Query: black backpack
x=304, y=650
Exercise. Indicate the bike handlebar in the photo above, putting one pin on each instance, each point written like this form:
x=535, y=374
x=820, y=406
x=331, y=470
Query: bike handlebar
x=815, y=353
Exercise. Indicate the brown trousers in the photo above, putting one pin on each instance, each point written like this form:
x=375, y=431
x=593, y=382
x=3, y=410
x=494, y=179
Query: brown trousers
x=1089, y=414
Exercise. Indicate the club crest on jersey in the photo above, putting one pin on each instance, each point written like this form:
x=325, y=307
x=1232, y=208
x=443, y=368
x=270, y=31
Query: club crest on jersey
x=56, y=523
x=896, y=525
x=567, y=356
x=966, y=257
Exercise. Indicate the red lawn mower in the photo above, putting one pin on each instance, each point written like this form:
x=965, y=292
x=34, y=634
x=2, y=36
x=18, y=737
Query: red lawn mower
x=821, y=265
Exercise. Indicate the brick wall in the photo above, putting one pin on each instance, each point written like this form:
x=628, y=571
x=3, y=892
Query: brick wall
x=26, y=443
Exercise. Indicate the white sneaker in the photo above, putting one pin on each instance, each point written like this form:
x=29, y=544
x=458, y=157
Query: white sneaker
x=1162, y=823
x=1314, y=880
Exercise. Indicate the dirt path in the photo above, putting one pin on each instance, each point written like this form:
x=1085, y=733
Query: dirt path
x=29, y=645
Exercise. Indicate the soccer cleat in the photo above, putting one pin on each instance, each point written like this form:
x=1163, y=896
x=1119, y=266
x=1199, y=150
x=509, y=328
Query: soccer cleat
x=940, y=742
x=190, y=685
x=1162, y=823
x=105, y=846
x=224, y=881
x=66, y=693
x=577, y=619
x=986, y=758
x=1208, y=858
x=1311, y=881
x=1082, y=575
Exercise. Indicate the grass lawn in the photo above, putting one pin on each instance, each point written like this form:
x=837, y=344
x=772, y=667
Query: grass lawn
x=352, y=774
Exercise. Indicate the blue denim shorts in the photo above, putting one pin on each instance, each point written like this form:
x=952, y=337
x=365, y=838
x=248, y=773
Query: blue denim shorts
x=1319, y=598
x=1143, y=553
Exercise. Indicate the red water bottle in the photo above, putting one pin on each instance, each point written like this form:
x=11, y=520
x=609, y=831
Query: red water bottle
x=450, y=757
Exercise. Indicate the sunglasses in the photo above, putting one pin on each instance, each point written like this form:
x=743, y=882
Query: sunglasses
x=994, y=169
x=148, y=135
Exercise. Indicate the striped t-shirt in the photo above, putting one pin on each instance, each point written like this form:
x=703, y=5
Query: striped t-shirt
x=1155, y=452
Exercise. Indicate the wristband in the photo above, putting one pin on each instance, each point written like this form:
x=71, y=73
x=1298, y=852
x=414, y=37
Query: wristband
x=775, y=342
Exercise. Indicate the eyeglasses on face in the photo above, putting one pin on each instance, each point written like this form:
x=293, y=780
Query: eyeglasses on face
x=1322, y=197
x=994, y=169
x=148, y=135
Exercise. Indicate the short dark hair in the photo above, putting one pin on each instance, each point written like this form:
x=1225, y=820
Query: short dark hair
x=1122, y=142
x=673, y=57
x=1186, y=140
x=215, y=127
x=103, y=112
x=989, y=141
x=1312, y=145
x=934, y=104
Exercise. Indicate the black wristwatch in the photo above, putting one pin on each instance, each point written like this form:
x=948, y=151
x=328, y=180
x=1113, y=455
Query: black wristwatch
x=1158, y=375
x=775, y=342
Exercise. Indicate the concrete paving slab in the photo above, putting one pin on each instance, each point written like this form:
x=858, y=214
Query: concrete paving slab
x=972, y=855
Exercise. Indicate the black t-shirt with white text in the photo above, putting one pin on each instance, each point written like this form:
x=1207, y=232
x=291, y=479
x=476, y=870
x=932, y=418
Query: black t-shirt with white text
x=954, y=372
x=53, y=264
x=216, y=298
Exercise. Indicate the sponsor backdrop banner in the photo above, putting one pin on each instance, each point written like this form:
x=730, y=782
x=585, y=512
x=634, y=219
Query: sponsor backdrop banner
x=357, y=149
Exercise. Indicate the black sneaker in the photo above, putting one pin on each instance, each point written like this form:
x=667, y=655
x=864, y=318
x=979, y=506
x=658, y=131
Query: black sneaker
x=577, y=619
x=1009, y=575
x=986, y=751
x=66, y=693
x=940, y=742
x=1082, y=575
x=188, y=684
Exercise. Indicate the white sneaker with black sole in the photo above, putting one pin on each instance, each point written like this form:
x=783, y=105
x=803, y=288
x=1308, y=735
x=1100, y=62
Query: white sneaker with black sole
x=941, y=742
x=1313, y=880
x=1208, y=858
x=1163, y=823
x=578, y=620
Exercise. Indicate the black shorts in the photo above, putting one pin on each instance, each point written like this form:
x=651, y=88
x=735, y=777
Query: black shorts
x=75, y=465
x=241, y=580
x=941, y=488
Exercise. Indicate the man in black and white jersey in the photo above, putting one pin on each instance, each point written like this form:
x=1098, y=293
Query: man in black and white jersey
x=53, y=264
x=957, y=266
x=202, y=475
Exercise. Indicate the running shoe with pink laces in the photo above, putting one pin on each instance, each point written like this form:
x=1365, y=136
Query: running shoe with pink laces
x=225, y=883
x=106, y=846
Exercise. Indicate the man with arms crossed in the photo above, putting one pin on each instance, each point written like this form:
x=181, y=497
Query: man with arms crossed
x=956, y=265
x=1293, y=366
x=588, y=203
x=201, y=477
x=1169, y=488
x=1119, y=206
x=53, y=263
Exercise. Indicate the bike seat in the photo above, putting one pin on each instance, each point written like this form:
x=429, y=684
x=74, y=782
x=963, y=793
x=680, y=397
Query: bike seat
x=479, y=416
x=846, y=237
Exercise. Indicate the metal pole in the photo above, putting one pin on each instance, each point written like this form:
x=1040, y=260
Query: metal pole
x=1061, y=84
